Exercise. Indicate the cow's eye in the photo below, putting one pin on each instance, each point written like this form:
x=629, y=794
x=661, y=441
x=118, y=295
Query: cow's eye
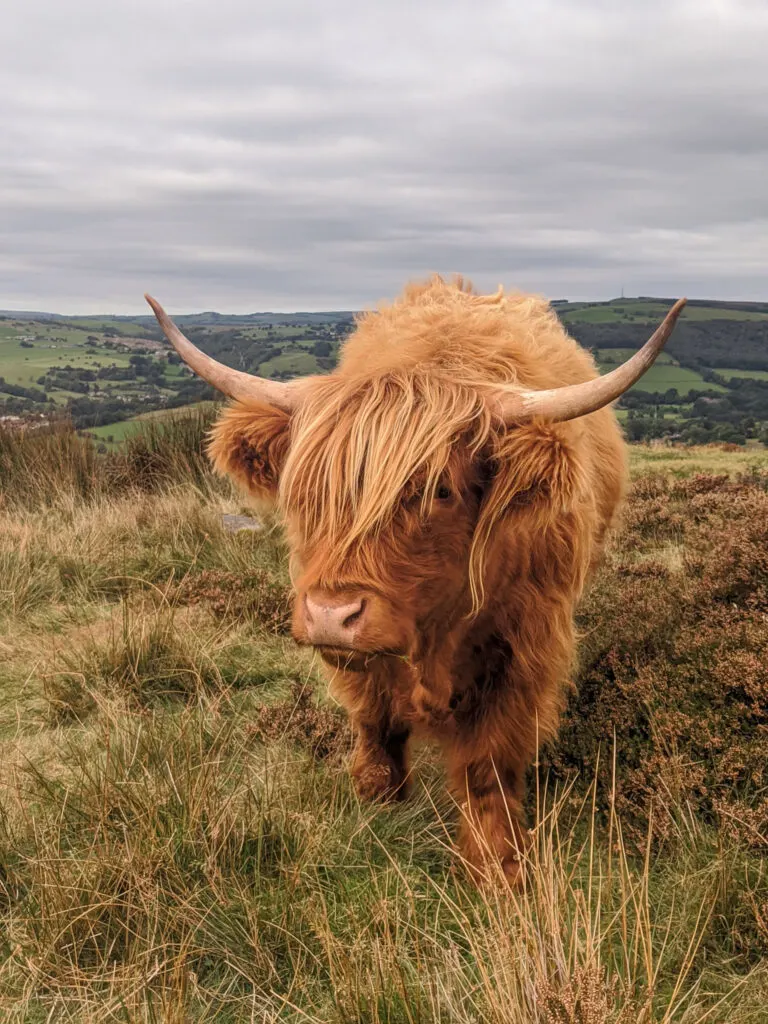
x=443, y=492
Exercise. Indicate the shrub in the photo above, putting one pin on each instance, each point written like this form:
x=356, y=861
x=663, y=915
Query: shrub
x=673, y=670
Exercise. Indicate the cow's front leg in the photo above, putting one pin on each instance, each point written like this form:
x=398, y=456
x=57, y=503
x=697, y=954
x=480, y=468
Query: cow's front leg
x=379, y=765
x=489, y=794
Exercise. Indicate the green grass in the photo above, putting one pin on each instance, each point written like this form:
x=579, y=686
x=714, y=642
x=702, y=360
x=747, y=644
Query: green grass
x=116, y=432
x=681, y=461
x=665, y=373
x=281, y=331
x=24, y=365
x=605, y=313
x=613, y=356
x=98, y=325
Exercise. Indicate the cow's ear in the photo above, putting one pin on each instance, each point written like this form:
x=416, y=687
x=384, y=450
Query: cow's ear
x=536, y=470
x=250, y=443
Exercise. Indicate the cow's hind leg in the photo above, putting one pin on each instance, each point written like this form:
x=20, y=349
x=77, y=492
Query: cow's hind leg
x=491, y=834
x=379, y=761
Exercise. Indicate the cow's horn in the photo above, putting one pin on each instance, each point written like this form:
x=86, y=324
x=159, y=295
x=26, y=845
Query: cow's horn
x=574, y=400
x=233, y=383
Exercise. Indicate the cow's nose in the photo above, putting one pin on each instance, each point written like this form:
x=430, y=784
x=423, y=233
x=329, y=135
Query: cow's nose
x=331, y=620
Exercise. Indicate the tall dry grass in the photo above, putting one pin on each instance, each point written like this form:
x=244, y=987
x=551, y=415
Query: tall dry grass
x=43, y=463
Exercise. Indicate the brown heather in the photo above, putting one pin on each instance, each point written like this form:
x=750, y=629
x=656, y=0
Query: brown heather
x=247, y=596
x=673, y=673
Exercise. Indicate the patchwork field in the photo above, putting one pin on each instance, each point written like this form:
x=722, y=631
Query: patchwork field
x=20, y=365
x=34, y=351
x=179, y=840
x=754, y=374
x=646, y=311
x=663, y=376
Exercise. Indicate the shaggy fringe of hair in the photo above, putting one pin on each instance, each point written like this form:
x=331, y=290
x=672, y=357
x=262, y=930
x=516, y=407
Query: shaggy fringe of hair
x=410, y=391
x=365, y=437
x=359, y=449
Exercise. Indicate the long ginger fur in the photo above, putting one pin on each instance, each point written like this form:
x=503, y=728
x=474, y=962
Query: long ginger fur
x=479, y=589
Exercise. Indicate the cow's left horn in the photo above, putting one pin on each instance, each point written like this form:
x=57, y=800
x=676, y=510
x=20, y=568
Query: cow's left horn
x=574, y=400
x=233, y=383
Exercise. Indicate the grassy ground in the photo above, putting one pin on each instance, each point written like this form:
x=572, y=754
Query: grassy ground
x=683, y=461
x=662, y=376
x=178, y=837
x=614, y=356
x=295, y=363
x=95, y=325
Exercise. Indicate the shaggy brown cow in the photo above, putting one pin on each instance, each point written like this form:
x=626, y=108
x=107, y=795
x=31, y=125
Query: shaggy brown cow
x=446, y=492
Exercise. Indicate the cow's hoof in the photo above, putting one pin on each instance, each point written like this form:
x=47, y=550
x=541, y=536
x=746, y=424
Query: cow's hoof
x=514, y=871
x=378, y=780
x=490, y=874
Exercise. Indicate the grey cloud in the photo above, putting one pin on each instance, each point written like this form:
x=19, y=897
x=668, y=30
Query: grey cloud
x=298, y=155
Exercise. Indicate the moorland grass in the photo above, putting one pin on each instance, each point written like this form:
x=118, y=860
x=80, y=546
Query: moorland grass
x=179, y=840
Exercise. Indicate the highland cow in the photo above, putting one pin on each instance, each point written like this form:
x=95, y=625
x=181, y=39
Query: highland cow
x=446, y=492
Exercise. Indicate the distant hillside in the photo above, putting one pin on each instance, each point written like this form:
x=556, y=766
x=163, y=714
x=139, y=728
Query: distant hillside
x=711, y=384
x=197, y=319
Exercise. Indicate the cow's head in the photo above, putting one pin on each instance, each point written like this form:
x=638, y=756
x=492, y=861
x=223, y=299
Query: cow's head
x=391, y=487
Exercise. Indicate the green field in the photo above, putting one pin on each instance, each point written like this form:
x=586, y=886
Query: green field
x=754, y=374
x=663, y=376
x=99, y=324
x=24, y=365
x=120, y=430
x=639, y=311
x=283, y=332
x=614, y=356
x=683, y=461
x=293, y=363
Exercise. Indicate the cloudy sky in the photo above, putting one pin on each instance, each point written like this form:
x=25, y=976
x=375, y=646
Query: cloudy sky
x=245, y=155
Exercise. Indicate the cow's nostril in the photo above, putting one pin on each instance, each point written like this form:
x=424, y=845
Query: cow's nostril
x=330, y=619
x=354, y=616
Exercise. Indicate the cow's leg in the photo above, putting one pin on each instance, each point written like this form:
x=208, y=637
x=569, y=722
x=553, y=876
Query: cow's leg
x=489, y=792
x=379, y=761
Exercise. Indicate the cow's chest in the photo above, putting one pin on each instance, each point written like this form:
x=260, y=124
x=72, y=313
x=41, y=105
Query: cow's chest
x=439, y=697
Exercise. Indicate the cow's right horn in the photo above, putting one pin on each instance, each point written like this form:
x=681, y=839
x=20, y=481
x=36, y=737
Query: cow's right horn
x=233, y=383
x=573, y=400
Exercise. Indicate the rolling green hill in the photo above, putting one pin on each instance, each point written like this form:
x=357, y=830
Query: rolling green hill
x=711, y=384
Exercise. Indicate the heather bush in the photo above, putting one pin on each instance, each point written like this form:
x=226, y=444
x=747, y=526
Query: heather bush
x=673, y=673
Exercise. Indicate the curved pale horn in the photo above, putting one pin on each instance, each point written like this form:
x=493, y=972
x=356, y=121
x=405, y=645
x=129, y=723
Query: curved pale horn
x=574, y=400
x=233, y=383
